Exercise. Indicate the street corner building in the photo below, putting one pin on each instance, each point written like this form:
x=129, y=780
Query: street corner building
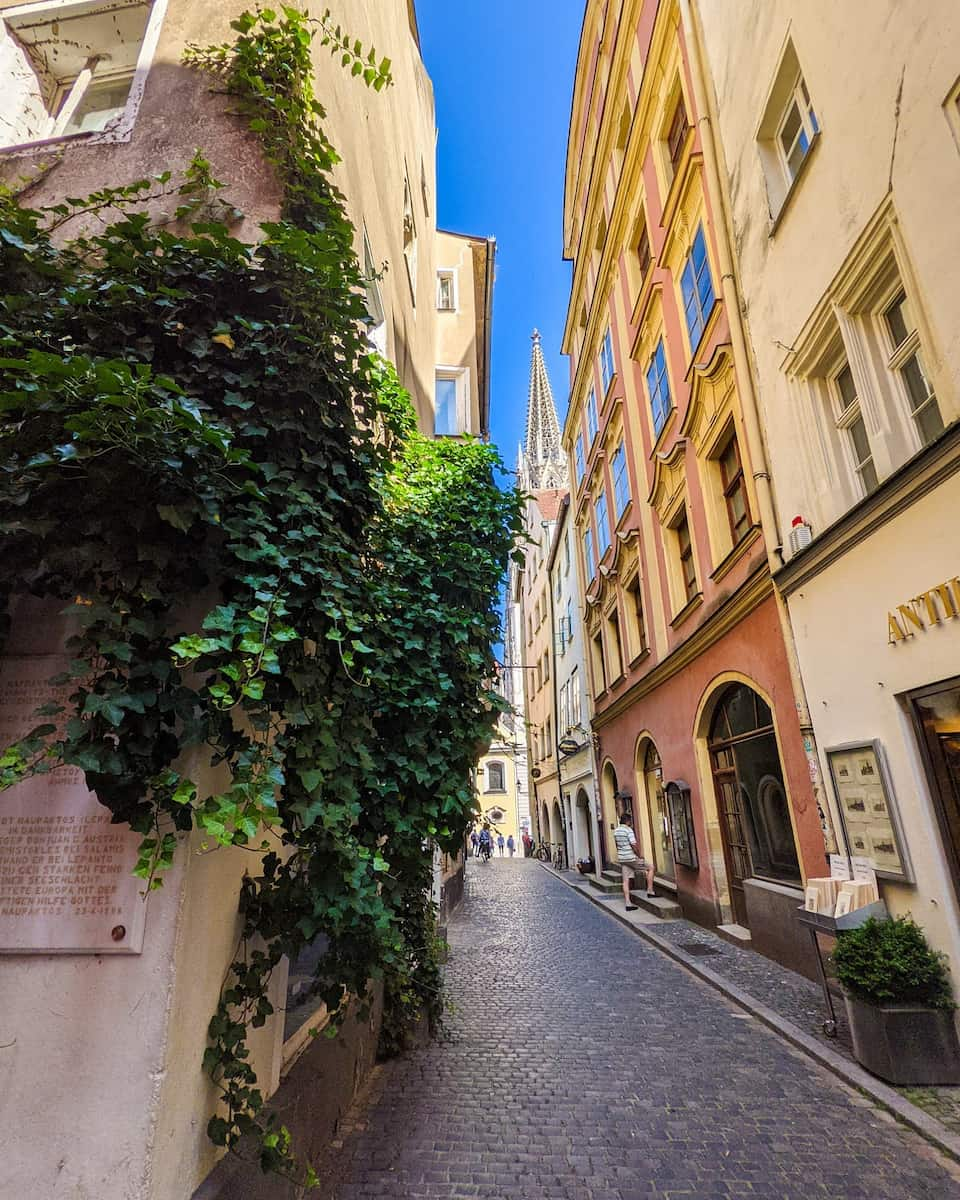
x=700, y=726
x=842, y=176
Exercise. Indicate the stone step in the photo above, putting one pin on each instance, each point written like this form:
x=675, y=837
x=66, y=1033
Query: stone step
x=603, y=884
x=737, y=935
x=667, y=910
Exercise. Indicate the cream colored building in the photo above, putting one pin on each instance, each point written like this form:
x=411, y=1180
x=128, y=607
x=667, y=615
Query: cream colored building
x=496, y=787
x=93, y=95
x=841, y=144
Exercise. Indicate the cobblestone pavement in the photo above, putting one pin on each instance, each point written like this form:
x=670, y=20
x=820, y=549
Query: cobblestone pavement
x=583, y=1064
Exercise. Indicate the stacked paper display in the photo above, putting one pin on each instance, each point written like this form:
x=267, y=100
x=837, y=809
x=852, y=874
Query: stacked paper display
x=854, y=894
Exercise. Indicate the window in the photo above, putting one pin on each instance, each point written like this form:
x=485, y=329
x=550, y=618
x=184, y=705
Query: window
x=564, y=721
x=546, y=666
x=70, y=68
x=643, y=249
x=603, y=525
x=371, y=279
x=797, y=129
x=529, y=630
x=566, y=554
x=696, y=287
x=592, y=424
x=599, y=672
x=578, y=458
x=495, y=777
x=658, y=385
x=734, y=491
x=548, y=739
x=448, y=416
x=606, y=361
x=787, y=131
x=621, y=480
x=446, y=301
x=588, y=564
x=636, y=625
x=905, y=361
x=573, y=687
x=569, y=619
x=410, y=240
x=614, y=645
x=688, y=569
x=850, y=420
x=677, y=133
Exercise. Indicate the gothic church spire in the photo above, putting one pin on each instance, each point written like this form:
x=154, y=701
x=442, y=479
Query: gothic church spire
x=544, y=464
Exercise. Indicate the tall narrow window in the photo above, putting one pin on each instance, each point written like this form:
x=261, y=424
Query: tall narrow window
x=446, y=417
x=643, y=249
x=564, y=722
x=606, y=361
x=905, y=360
x=574, y=689
x=621, y=480
x=797, y=129
x=614, y=645
x=569, y=620
x=734, y=491
x=636, y=624
x=592, y=423
x=688, y=568
x=603, y=524
x=696, y=286
x=850, y=420
x=578, y=458
x=677, y=133
x=566, y=554
x=445, y=291
x=658, y=385
x=495, y=777
x=599, y=670
x=588, y=564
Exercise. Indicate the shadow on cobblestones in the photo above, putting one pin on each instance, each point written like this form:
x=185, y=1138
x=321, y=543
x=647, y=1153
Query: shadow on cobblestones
x=582, y=1064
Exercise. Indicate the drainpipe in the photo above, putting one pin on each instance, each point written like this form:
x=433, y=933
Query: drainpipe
x=706, y=118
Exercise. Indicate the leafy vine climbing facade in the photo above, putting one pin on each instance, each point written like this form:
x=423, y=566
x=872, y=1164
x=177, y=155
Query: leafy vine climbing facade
x=275, y=587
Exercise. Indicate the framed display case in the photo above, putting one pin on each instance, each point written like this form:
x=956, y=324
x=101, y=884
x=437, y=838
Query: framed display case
x=681, y=824
x=867, y=807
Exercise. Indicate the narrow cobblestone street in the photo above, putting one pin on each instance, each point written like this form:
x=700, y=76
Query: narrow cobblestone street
x=584, y=1065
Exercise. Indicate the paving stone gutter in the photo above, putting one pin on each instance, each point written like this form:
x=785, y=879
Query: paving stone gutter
x=739, y=973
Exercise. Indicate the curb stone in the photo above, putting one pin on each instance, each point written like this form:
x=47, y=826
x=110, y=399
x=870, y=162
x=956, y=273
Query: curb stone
x=850, y=1073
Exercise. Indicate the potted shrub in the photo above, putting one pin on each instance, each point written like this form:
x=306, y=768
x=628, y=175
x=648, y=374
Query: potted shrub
x=899, y=1002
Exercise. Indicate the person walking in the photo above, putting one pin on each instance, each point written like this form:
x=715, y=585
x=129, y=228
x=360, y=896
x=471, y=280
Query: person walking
x=527, y=844
x=511, y=845
x=475, y=842
x=631, y=861
x=501, y=842
x=485, y=848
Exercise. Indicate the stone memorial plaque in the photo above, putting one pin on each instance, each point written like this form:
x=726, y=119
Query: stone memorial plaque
x=65, y=871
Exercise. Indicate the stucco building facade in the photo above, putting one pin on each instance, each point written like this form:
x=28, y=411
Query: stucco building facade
x=95, y=95
x=857, y=352
x=695, y=708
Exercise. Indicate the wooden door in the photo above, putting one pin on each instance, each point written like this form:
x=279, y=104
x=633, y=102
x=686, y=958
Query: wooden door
x=736, y=851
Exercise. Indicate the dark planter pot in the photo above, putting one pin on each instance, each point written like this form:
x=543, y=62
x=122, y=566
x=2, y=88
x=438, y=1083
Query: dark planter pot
x=905, y=1043
x=586, y=866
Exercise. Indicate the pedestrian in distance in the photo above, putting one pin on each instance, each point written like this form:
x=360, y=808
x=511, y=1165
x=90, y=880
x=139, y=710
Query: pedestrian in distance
x=486, y=845
x=475, y=842
x=527, y=844
x=501, y=842
x=631, y=861
x=511, y=845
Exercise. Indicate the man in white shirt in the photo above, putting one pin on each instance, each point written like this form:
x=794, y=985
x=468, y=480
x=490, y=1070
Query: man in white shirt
x=631, y=861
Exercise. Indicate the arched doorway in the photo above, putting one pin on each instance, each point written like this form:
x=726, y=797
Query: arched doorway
x=751, y=797
x=650, y=788
x=558, y=825
x=608, y=810
x=582, y=827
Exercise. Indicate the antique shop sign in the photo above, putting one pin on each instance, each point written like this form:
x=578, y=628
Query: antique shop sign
x=65, y=871
x=939, y=604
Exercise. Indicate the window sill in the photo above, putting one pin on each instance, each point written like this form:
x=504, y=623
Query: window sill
x=690, y=607
x=621, y=520
x=495, y=792
x=639, y=658
x=791, y=190
x=677, y=184
x=643, y=293
x=609, y=392
x=51, y=143
x=615, y=683
x=705, y=334
x=726, y=564
x=661, y=437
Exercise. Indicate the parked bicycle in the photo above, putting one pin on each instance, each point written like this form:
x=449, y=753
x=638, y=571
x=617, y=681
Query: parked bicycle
x=542, y=852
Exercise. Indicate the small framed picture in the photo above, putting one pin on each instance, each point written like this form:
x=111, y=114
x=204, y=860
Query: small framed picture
x=868, y=810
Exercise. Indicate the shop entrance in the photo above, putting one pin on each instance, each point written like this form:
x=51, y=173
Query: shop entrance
x=936, y=712
x=659, y=821
x=751, y=798
x=609, y=813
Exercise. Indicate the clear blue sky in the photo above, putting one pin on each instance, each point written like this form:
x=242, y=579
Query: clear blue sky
x=502, y=74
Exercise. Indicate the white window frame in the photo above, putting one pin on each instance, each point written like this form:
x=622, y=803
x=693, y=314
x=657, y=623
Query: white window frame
x=900, y=355
x=798, y=95
x=448, y=273
x=621, y=480
x=119, y=130
x=846, y=417
x=461, y=375
x=602, y=514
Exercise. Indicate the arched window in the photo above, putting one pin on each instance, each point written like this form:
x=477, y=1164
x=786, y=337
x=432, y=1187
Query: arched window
x=754, y=814
x=495, y=777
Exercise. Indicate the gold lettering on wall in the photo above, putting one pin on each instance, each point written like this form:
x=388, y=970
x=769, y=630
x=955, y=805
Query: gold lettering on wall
x=941, y=603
